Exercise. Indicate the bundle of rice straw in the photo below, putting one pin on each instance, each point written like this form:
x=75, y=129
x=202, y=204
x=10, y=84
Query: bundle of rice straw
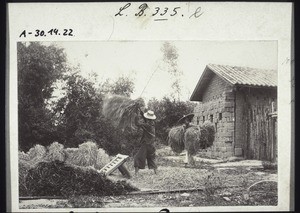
x=24, y=167
x=203, y=138
x=56, y=178
x=56, y=152
x=210, y=129
x=27, y=161
x=23, y=156
x=122, y=110
x=192, y=139
x=85, y=155
x=176, y=139
x=70, y=151
x=36, y=154
x=102, y=159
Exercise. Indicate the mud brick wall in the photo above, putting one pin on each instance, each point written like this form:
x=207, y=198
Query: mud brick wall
x=215, y=88
x=218, y=106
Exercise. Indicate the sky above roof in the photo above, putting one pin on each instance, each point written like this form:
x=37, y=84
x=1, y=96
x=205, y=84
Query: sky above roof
x=139, y=59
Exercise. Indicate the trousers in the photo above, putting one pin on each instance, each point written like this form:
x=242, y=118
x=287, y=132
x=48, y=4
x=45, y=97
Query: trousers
x=146, y=152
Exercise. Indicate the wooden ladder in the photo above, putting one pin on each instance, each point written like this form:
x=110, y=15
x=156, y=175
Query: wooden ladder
x=116, y=163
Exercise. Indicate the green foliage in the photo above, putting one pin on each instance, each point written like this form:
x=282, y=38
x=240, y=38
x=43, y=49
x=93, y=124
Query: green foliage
x=39, y=67
x=168, y=112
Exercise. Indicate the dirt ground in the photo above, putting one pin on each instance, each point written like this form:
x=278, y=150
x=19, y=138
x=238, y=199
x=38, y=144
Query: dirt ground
x=220, y=183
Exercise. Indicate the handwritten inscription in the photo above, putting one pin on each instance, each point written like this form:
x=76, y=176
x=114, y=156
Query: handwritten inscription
x=44, y=33
x=162, y=12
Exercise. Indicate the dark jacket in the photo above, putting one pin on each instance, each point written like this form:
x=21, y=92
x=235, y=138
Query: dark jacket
x=148, y=131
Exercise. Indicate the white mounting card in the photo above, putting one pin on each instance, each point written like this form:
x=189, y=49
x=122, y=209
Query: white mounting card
x=105, y=41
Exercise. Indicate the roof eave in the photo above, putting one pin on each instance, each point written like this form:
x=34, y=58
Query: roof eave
x=194, y=94
x=256, y=86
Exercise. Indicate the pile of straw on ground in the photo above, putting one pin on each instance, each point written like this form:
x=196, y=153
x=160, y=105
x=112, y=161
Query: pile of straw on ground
x=27, y=161
x=57, y=178
x=24, y=167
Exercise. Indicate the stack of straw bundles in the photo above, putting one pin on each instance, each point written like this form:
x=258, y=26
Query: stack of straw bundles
x=121, y=110
x=192, y=139
x=56, y=152
x=85, y=155
x=176, y=139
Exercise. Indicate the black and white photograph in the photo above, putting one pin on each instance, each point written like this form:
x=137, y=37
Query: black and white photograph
x=144, y=125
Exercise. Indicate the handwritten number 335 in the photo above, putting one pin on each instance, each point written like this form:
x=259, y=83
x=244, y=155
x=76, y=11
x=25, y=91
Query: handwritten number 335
x=165, y=11
x=143, y=7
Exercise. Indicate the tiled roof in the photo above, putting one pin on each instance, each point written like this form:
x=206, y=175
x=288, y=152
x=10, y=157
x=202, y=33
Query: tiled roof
x=241, y=76
x=245, y=75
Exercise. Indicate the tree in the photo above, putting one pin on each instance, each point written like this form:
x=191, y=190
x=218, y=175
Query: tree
x=121, y=86
x=170, y=58
x=78, y=110
x=39, y=67
x=80, y=118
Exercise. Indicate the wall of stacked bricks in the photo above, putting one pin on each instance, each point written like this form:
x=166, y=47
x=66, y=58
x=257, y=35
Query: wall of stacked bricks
x=218, y=102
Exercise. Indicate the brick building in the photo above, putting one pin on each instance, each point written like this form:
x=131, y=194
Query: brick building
x=241, y=102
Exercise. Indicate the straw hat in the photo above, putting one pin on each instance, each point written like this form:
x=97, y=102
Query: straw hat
x=188, y=116
x=150, y=115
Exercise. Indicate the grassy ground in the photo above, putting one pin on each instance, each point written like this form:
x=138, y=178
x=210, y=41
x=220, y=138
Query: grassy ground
x=220, y=187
